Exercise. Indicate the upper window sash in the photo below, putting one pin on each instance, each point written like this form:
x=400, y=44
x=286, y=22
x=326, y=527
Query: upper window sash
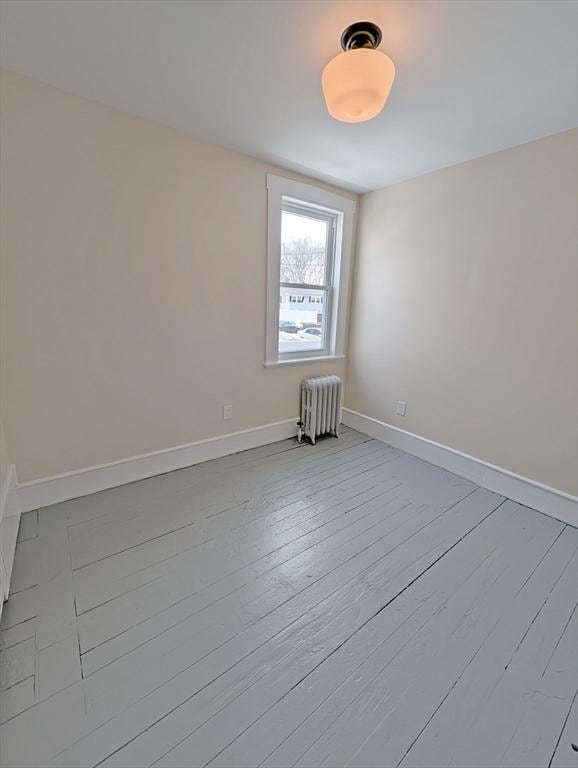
x=304, y=210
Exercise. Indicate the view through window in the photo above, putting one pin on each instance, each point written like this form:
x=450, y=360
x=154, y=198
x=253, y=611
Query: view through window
x=307, y=244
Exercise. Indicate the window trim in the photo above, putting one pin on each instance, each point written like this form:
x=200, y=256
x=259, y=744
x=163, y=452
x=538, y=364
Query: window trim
x=280, y=190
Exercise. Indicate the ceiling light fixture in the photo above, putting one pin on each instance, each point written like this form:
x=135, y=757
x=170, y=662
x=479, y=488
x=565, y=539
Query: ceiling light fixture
x=357, y=82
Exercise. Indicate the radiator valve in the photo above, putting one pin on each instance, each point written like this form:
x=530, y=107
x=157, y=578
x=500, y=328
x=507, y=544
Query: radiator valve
x=299, y=432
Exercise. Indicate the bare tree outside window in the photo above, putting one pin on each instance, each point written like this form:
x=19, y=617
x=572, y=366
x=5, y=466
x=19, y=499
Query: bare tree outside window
x=303, y=261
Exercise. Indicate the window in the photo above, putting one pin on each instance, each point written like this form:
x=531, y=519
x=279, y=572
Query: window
x=309, y=254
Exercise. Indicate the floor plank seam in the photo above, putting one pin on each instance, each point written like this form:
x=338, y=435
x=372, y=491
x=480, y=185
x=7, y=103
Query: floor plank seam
x=536, y=615
x=533, y=571
x=559, y=640
x=559, y=739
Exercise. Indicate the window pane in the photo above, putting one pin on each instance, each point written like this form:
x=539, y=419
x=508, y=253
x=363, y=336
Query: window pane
x=302, y=315
x=303, y=249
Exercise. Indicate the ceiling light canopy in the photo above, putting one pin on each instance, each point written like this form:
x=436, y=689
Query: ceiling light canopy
x=357, y=82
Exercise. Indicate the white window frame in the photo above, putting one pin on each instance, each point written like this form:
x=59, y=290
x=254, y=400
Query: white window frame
x=280, y=190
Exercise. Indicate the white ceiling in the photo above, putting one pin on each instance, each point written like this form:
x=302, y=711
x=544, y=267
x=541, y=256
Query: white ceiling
x=473, y=76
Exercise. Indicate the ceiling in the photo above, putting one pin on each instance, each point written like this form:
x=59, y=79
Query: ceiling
x=473, y=77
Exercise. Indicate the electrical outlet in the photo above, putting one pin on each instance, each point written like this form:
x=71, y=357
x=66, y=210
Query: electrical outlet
x=401, y=408
x=227, y=412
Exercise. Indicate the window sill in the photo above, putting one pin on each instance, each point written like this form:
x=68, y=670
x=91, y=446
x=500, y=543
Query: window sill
x=302, y=360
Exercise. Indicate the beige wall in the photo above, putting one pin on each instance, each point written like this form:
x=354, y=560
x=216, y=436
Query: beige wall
x=133, y=284
x=466, y=306
x=4, y=466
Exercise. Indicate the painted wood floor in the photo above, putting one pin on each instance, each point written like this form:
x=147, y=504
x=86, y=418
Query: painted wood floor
x=342, y=605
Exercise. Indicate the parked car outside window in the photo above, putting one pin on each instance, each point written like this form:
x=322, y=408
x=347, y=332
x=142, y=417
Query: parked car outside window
x=287, y=326
x=311, y=333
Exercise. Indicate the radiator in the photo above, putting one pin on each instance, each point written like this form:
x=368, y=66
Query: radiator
x=320, y=406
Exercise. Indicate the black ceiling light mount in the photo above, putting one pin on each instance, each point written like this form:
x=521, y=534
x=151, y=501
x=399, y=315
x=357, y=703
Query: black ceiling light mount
x=362, y=34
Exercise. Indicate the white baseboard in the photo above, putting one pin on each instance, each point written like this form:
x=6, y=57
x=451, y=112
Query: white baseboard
x=71, y=485
x=558, y=504
x=52, y=490
x=9, y=522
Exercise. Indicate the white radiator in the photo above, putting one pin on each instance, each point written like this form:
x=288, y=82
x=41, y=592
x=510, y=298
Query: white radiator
x=321, y=406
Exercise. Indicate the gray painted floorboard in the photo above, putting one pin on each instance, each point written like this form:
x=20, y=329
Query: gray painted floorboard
x=341, y=605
